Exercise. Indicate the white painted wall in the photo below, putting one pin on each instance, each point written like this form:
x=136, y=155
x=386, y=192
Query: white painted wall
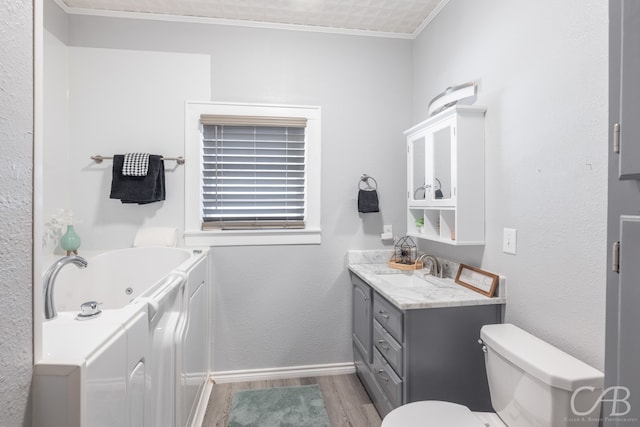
x=542, y=70
x=274, y=306
x=128, y=101
x=16, y=159
x=55, y=145
x=542, y=74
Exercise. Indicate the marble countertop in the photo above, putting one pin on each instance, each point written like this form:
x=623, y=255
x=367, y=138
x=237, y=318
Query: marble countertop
x=419, y=293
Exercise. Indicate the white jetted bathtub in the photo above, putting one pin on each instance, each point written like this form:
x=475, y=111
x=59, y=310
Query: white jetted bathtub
x=143, y=361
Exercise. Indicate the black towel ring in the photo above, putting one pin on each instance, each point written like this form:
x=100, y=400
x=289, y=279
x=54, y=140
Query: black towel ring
x=437, y=191
x=439, y=184
x=365, y=178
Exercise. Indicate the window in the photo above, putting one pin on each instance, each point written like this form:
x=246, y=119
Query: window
x=252, y=174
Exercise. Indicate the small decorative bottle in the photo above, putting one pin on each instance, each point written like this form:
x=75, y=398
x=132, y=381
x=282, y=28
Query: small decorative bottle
x=70, y=242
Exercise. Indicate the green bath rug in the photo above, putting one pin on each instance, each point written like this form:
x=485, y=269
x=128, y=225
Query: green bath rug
x=301, y=406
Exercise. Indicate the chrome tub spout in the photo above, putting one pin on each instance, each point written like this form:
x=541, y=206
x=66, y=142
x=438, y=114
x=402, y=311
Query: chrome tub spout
x=50, y=278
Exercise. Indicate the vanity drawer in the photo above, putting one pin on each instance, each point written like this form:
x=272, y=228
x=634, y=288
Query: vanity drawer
x=387, y=378
x=378, y=397
x=388, y=316
x=388, y=347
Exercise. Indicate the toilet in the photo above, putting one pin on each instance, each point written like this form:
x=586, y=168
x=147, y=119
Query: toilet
x=531, y=383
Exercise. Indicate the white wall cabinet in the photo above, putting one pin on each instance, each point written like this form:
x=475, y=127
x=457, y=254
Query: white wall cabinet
x=445, y=177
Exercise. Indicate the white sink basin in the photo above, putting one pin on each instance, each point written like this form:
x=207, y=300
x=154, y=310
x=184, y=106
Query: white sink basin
x=391, y=271
x=413, y=280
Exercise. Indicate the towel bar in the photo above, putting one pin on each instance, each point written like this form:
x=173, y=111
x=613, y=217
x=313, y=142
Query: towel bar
x=98, y=159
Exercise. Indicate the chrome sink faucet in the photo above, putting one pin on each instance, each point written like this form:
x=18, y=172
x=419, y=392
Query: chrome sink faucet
x=50, y=278
x=434, y=268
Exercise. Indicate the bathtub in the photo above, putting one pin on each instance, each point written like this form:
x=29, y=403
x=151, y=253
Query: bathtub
x=144, y=360
x=115, y=278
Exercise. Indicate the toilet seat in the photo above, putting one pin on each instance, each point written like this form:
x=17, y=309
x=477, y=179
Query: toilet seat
x=431, y=413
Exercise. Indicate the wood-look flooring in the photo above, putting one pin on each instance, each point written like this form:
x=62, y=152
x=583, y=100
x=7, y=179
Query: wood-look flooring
x=346, y=401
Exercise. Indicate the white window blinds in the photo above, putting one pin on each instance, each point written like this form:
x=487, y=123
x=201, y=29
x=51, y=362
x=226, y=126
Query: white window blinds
x=253, y=172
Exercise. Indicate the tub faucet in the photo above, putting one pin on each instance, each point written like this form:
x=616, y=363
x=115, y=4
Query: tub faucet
x=435, y=269
x=50, y=278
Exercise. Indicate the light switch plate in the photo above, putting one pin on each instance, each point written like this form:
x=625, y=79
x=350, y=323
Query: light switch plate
x=509, y=241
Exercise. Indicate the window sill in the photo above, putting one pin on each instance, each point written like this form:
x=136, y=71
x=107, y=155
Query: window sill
x=252, y=237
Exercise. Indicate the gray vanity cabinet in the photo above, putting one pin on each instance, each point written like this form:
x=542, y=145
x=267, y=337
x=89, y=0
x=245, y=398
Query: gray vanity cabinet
x=361, y=321
x=420, y=354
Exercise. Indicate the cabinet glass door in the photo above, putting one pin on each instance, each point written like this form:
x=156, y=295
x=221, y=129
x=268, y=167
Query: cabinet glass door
x=439, y=166
x=417, y=182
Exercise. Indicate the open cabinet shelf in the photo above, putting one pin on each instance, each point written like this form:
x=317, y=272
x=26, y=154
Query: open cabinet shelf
x=440, y=225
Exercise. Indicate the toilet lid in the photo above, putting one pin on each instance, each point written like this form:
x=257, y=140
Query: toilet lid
x=431, y=413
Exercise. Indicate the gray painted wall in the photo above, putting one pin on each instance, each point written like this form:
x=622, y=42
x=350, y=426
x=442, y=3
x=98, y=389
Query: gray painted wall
x=278, y=306
x=16, y=145
x=542, y=73
x=542, y=69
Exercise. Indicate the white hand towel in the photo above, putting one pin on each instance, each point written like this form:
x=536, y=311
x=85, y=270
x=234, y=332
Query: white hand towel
x=135, y=164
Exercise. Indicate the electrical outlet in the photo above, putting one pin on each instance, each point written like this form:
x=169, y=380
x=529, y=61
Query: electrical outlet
x=387, y=229
x=509, y=241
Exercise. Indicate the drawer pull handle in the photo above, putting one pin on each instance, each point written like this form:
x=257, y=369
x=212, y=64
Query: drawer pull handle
x=383, y=314
x=380, y=372
x=383, y=345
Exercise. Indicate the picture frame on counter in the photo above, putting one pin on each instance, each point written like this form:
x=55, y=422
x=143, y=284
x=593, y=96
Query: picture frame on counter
x=477, y=280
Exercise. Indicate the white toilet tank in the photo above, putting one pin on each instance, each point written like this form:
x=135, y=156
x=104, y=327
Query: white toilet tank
x=533, y=383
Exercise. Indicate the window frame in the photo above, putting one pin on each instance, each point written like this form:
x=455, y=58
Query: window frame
x=193, y=233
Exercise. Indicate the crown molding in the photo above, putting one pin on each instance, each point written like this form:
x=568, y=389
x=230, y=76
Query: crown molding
x=429, y=18
x=251, y=24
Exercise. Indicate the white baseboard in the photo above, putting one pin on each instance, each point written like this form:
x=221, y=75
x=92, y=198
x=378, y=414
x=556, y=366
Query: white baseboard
x=283, y=373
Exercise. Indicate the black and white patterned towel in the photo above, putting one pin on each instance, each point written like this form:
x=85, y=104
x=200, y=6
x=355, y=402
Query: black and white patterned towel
x=135, y=164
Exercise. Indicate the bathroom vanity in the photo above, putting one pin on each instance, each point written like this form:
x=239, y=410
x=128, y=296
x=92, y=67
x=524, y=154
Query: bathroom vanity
x=416, y=339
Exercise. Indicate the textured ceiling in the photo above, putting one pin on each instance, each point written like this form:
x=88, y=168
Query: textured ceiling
x=389, y=16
